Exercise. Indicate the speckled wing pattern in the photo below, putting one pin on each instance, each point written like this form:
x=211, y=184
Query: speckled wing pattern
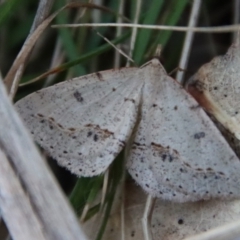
x=174, y=151
x=84, y=122
x=177, y=153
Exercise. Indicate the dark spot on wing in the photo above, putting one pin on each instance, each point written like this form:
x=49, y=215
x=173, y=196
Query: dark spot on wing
x=199, y=135
x=59, y=125
x=183, y=170
x=164, y=156
x=89, y=134
x=78, y=96
x=170, y=158
x=129, y=99
x=154, y=105
x=176, y=108
x=52, y=119
x=187, y=164
x=72, y=129
x=180, y=221
x=114, y=89
x=95, y=137
x=40, y=115
x=194, y=107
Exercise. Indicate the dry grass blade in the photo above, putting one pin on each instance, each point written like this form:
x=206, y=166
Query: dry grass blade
x=17, y=211
x=43, y=192
x=218, y=29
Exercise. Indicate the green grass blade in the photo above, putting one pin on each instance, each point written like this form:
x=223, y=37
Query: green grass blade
x=144, y=35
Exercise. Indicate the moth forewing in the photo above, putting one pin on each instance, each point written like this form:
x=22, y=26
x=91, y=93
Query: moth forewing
x=84, y=122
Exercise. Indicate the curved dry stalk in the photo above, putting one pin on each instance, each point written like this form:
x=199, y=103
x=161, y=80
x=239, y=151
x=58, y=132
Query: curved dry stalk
x=49, y=203
x=16, y=209
x=218, y=29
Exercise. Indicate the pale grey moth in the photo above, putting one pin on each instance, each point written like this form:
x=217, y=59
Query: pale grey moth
x=174, y=151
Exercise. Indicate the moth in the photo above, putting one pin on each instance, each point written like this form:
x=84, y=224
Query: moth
x=174, y=150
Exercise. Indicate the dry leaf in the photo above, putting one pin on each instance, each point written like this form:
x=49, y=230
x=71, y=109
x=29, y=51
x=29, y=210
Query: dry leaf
x=216, y=87
x=170, y=221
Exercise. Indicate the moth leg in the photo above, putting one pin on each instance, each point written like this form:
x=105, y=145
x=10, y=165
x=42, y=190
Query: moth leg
x=147, y=216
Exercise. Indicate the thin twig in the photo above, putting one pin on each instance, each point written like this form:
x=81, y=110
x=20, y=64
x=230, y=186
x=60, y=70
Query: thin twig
x=218, y=29
x=188, y=39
